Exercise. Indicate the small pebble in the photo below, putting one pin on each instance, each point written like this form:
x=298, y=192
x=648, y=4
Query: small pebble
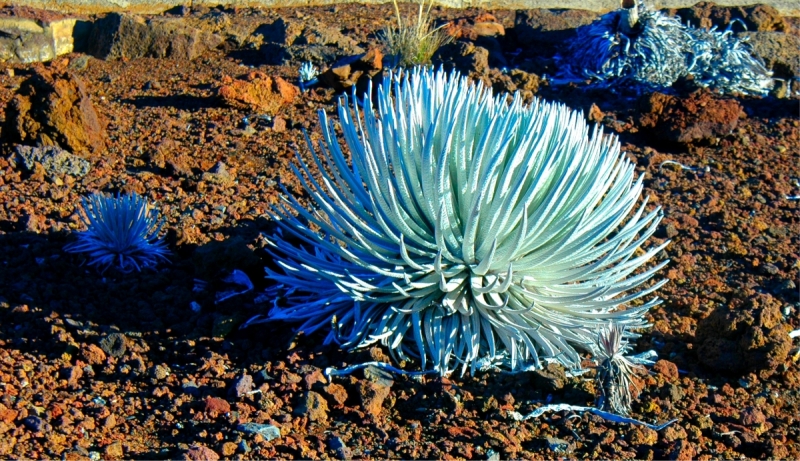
x=242, y=386
x=268, y=431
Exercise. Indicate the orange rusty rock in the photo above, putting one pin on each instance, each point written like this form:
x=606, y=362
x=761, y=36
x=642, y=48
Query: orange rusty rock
x=53, y=108
x=215, y=406
x=258, y=92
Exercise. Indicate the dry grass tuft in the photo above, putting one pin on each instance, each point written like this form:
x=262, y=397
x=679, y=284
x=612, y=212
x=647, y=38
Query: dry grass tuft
x=413, y=43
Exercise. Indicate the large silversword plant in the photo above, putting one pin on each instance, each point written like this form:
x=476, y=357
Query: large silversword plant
x=464, y=227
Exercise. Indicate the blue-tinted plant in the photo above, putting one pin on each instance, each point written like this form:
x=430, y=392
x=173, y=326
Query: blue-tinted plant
x=307, y=75
x=122, y=231
x=464, y=227
x=615, y=371
x=645, y=47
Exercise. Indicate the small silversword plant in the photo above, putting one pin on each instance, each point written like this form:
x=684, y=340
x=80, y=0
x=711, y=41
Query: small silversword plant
x=308, y=74
x=465, y=227
x=615, y=372
x=122, y=231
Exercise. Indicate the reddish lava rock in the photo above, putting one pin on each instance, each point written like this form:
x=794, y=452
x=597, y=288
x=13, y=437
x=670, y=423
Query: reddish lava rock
x=216, y=406
x=200, y=453
x=258, y=92
x=745, y=335
x=666, y=369
x=752, y=416
x=372, y=396
x=337, y=392
x=682, y=450
x=53, y=108
x=483, y=25
x=93, y=354
x=700, y=117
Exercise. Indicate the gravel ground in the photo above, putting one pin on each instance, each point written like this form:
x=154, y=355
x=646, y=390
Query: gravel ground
x=120, y=366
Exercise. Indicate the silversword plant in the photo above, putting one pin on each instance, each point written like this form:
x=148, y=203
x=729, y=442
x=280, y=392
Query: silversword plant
x=307, y=75
x=464, y=227
x=122, y=231
x=653, y=51
x=615, y=372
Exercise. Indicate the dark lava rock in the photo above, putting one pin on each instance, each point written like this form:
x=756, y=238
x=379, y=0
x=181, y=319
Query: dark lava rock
x=53, y=108
x=356, y=70
x=549, y=27
x=699, y=117
x=744, y=335
x=191, y=388
x=55, y=161
x=313, y=406
x=465, y=57
x=267, y=431
x=780, y=51
x=114, y=345
x=123, y=36
x=36, y=424
x=550, y=378
x=287, y=40
x=336, y=444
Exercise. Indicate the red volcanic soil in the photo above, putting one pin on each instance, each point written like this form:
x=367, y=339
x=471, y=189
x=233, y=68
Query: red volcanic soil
x=204, y=119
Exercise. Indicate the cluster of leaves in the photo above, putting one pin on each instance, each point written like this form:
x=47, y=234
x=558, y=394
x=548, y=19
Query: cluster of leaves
x=465, y=228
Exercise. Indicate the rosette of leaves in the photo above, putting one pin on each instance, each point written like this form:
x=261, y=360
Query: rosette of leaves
x=463, y=227
x=121, y=231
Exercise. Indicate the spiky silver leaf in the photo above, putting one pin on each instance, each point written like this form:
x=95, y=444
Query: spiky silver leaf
x=465, y=226
x=122, y=231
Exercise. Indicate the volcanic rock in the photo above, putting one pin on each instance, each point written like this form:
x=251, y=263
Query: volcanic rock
x=354, y=70
x=465, y=57
x=27, y=40
x=54, y=160
x=53, y=108
x=257, y=92
x=744, y=335
x=699, y=117
x=314, y=406
x=549, y=27
x=780, y=51
x=123, y=36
